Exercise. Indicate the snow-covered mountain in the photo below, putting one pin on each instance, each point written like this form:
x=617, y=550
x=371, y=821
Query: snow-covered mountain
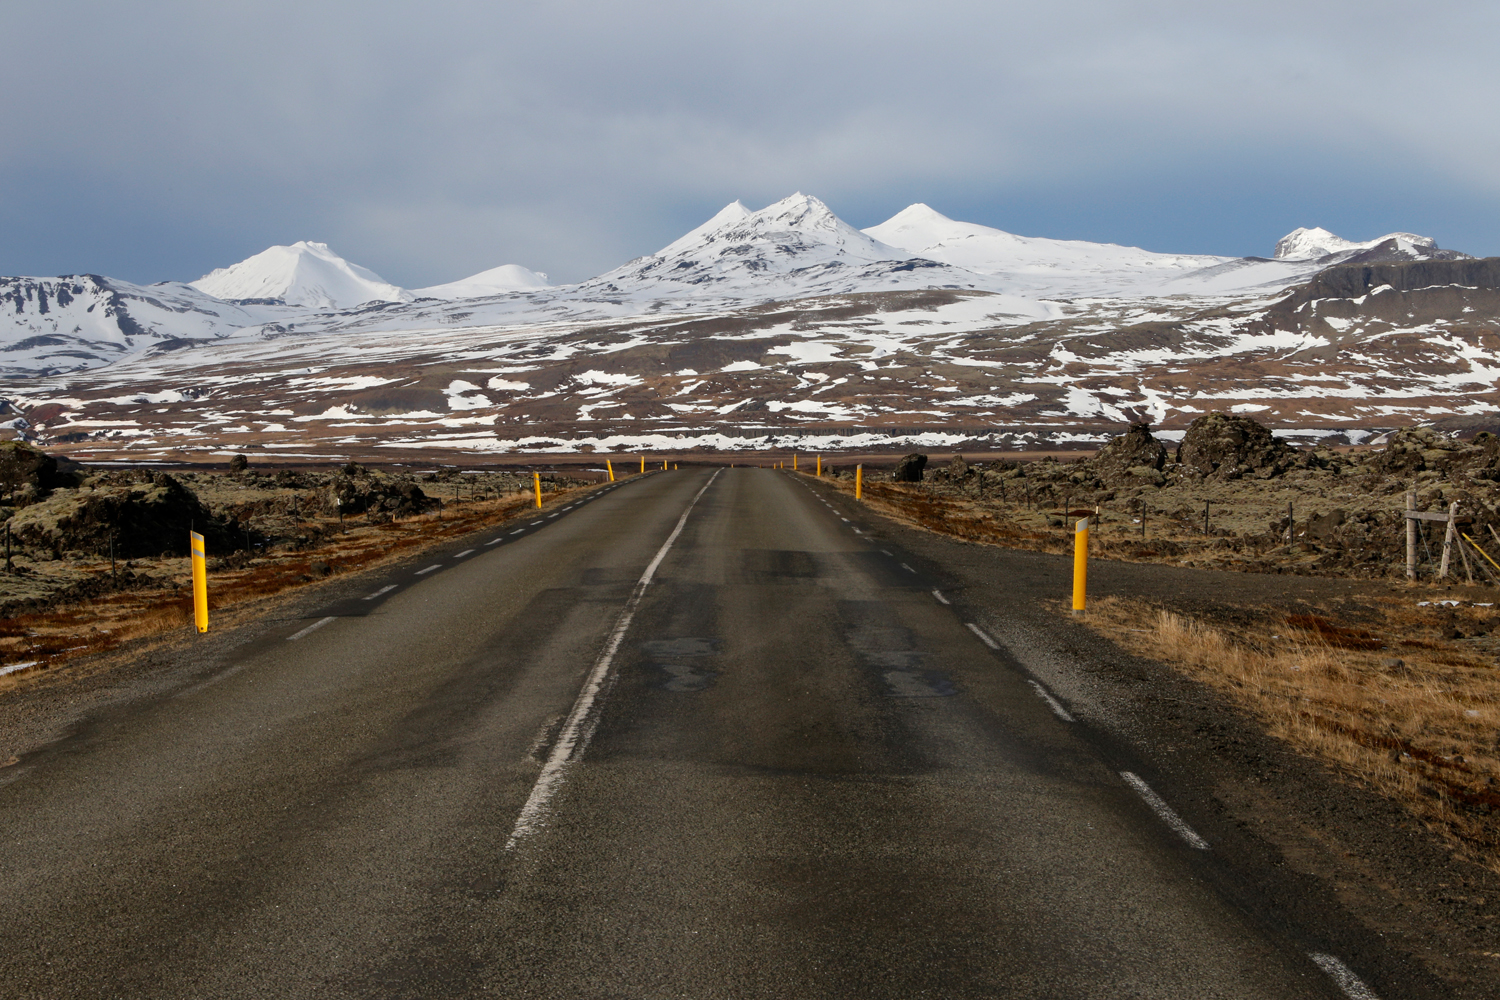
x=496, y=281
x=303, y=274
x=1312, y=244
x=795, y=247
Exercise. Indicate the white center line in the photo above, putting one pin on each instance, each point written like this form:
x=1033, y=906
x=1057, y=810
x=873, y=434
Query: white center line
x=383, y=590
x=495, y=541
x=1052, y=703
x=1354, y=988
x=518, y=531
x=551, y=516
x=574, y=738
x=941, y=599
x=982, y=636
x=1160, y=807
x=465, y=552
x=310, y=628
x=534, y=524
x=907, y=568
x=429, y=569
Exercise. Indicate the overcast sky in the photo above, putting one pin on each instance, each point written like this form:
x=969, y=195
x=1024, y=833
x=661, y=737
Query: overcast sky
x=157, y=140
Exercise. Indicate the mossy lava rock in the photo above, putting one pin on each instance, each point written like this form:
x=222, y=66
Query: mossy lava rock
x=1224, y=446
x=146, y=519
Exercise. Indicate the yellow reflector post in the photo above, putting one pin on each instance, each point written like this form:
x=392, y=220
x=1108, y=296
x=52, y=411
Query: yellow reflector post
x=1080, y=565
x=859, y=482
x=200, y=581
x=536, y=480
x=608, y=465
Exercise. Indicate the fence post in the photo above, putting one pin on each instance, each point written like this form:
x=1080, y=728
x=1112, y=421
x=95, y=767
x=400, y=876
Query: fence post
x=1411, y=535
x=1448, y=540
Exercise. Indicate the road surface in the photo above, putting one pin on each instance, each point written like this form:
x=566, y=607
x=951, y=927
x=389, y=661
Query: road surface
x=701, y=735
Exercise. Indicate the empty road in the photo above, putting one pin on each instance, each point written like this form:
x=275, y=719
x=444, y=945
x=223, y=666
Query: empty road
x=699, y=735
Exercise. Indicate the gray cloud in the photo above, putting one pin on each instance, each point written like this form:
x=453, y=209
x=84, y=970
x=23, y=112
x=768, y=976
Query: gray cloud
x=159, y=139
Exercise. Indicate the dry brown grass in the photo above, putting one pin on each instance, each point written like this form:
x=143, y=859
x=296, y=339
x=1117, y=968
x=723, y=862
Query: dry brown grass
x=52, y=637
x=1422, y=732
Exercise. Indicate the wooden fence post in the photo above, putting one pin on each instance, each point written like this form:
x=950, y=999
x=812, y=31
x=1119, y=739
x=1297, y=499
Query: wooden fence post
x=1411, y=535
x=1448, y=541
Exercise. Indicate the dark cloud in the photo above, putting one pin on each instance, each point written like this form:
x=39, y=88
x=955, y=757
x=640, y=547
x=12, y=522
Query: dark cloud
x=158, y=140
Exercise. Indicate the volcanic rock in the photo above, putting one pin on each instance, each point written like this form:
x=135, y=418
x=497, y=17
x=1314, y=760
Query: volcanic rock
x=1133, y=458
x=1223, y=446
x=1417, y=449
x=909, y=469
x=145, y=519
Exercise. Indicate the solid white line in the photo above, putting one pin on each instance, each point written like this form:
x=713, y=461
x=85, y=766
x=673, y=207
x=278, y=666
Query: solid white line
x=314, y=625
x=465, y=552
x=383, y=590
x=907, y=568
x=1354, y=988
x=574, y=738
x=495, y=541
x=1160, y=807
x=429, y=569
x=982, y=637
x=1052, y=703
x=941, y=599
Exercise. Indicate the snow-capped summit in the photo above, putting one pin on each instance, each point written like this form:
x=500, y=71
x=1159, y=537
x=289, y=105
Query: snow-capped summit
x=1063, y=267
x=796, y=246
x=495, y=281
x=303, y=274
x=1311, y=244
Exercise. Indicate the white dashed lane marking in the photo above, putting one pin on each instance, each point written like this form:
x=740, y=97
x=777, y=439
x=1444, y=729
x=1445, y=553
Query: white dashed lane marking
x=311, y=628
x=429, y=569
x=907, y=568
x=982, y=636
x=495, y=541
x=941, y=599
x=383, y=590
x=465, y=552
x=518, y=531
x=1354, y=988
x=1160, y=807
x=1052, y=703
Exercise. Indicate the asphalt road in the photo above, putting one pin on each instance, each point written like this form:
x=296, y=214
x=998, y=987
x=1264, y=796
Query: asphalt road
x=698, y=736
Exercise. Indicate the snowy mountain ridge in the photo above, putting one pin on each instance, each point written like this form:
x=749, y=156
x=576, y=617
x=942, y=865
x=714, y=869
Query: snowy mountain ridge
x=796, y=248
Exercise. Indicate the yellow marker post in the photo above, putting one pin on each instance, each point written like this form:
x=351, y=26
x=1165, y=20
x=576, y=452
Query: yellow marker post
x=820, y=466
x=664, y=465
x=536, y=480
x=200, y=581
x=859, y=482
x=611, y=468
x=643, y=463
x=1080, y=565
x=794, y=461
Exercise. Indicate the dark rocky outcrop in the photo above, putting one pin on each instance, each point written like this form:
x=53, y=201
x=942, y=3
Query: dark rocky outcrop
x=146, y=519
x=1225, y=446
x=1134, y=458
x=909, y=469
x=374, y=495
x=1417, y=449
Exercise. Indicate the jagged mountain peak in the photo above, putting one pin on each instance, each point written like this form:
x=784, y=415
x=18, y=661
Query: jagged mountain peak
x=1311, y=244
x=306, y=273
